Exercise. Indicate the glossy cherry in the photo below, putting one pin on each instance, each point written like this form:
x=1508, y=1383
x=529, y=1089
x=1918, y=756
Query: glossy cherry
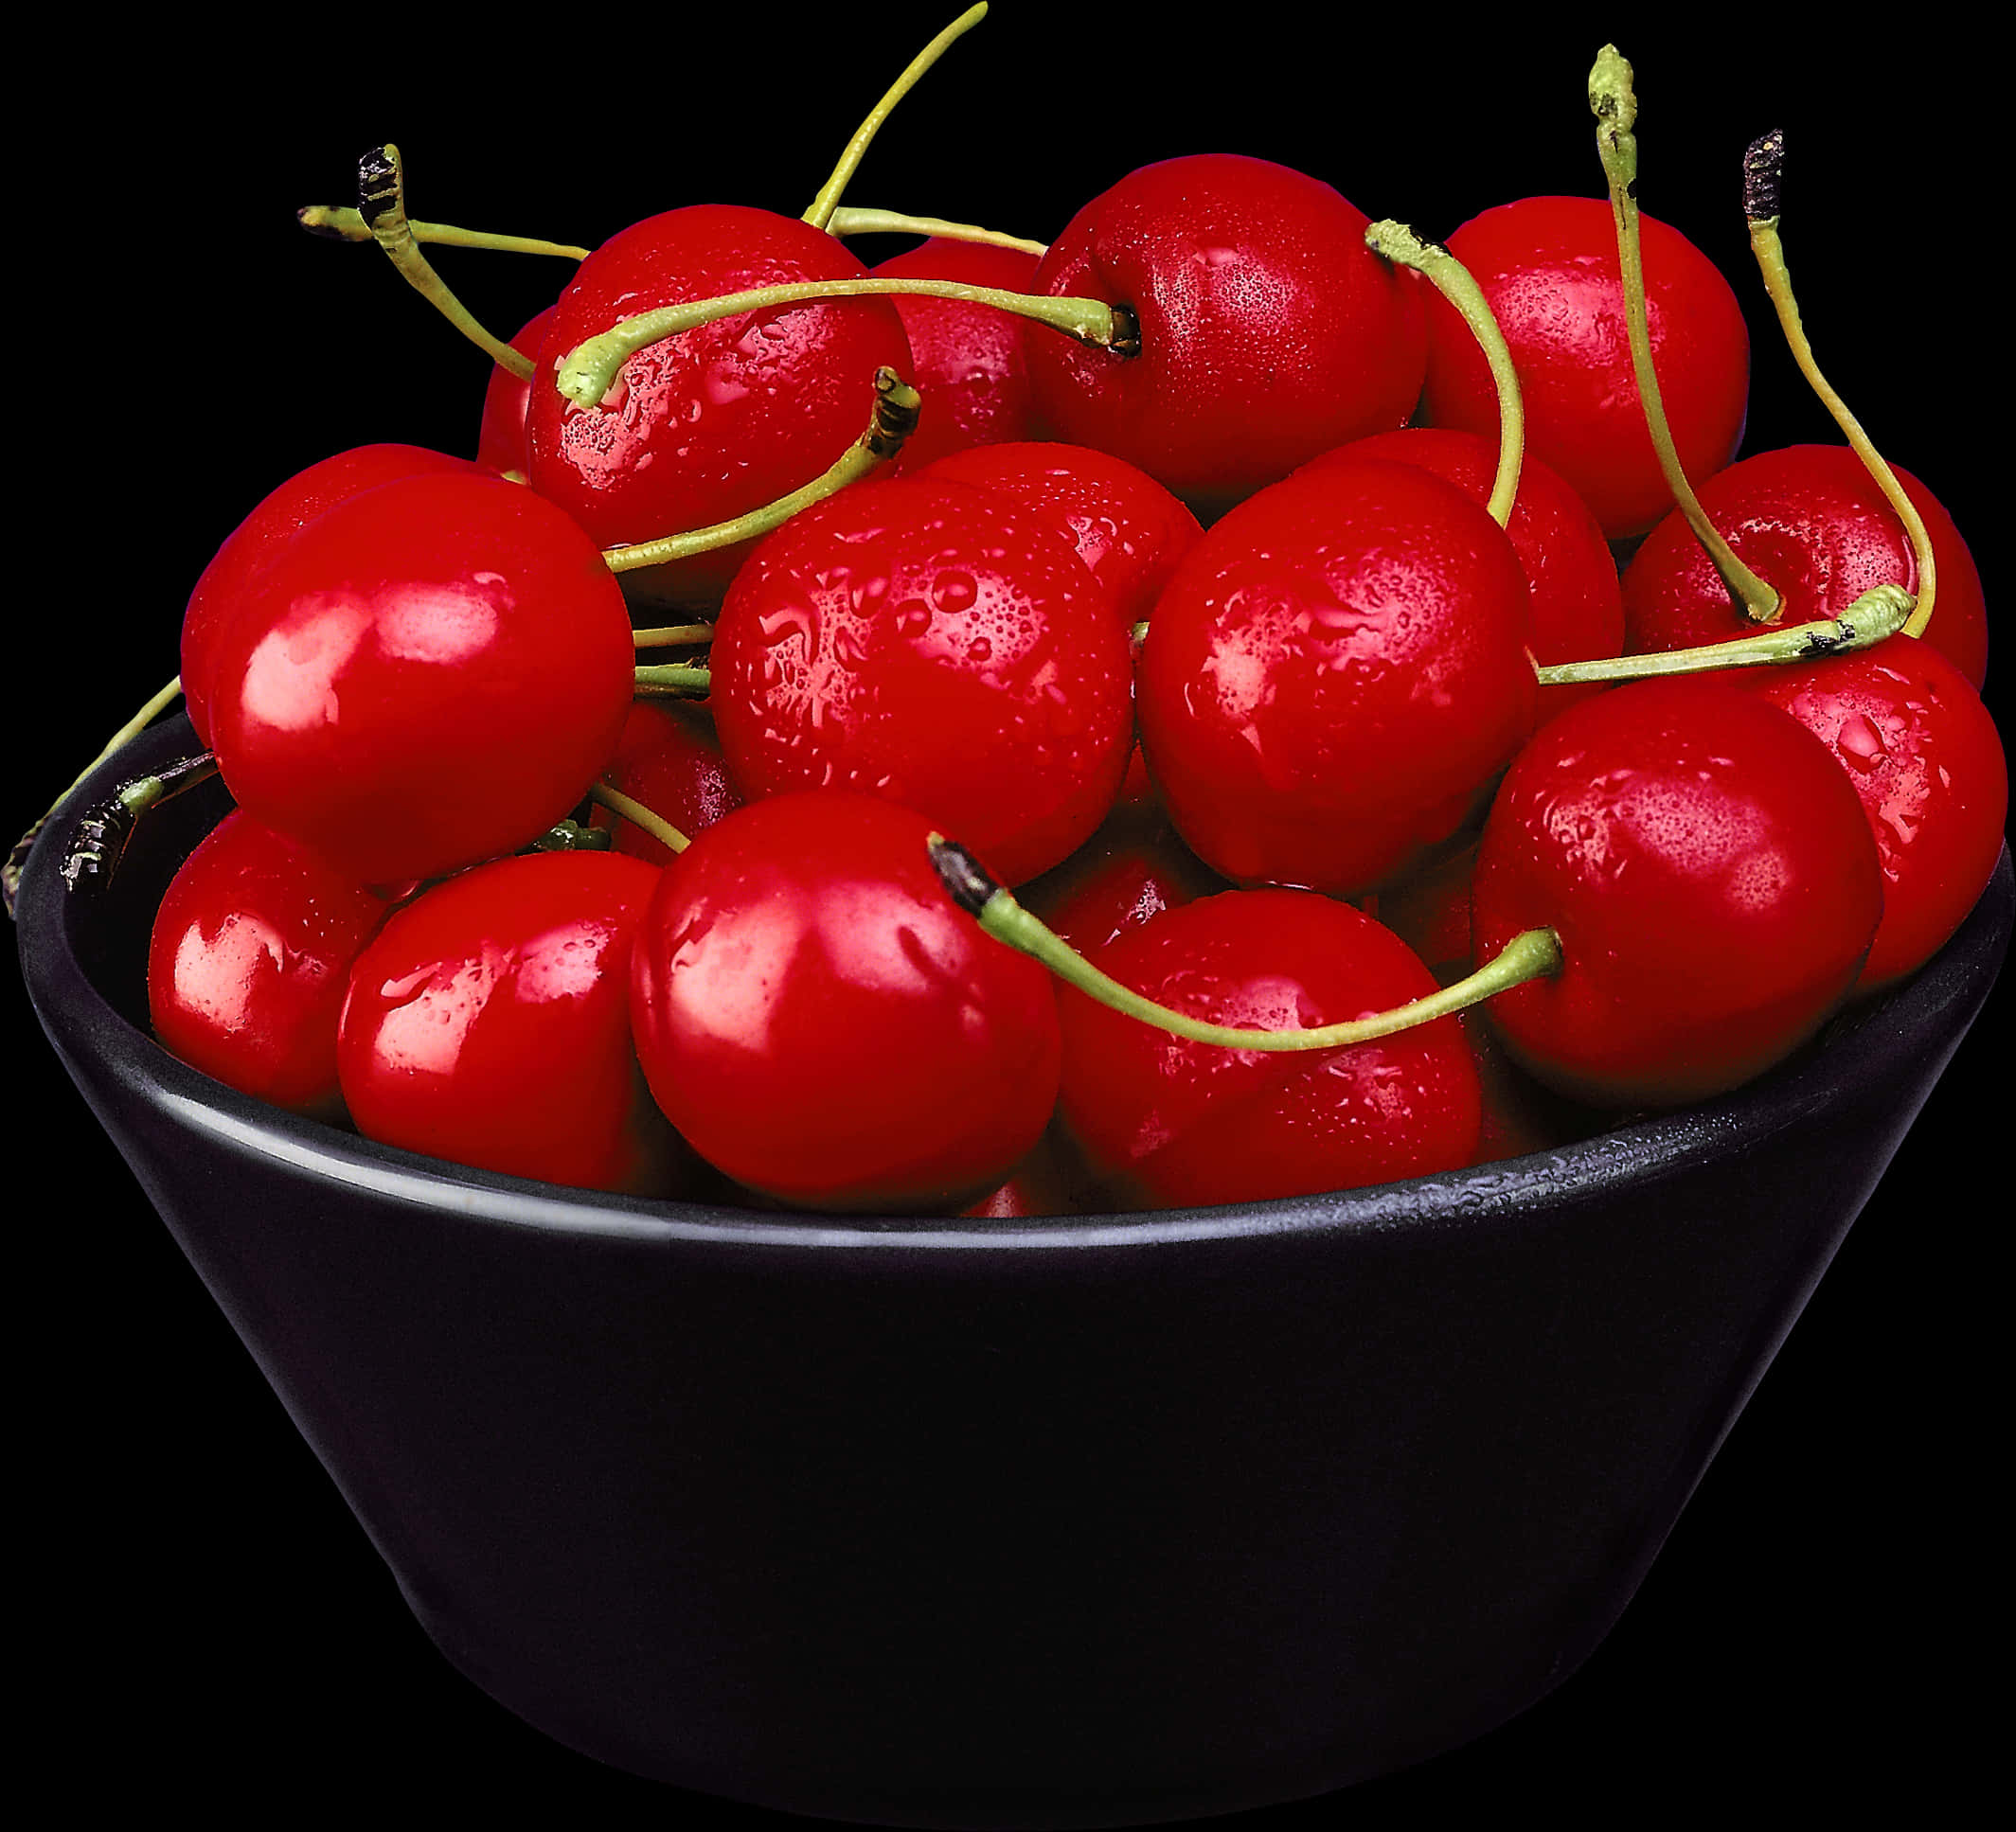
x=1269, y=332
x=279, y=516
x=1133, y=868
x=1335, y=676
x=825, y=1025
x=502, y=440
x=1926, y=761
x=938, y=646
x=248, y=961
x=1576, y=604
x=1187, y=1124
x=428, y=675
x=969, y=361
x=488, y=1023
x=708, y=425
x=1810, y=521
x=1128, y=528
x=1711, y=878
x=670, y=759
x=1549, y=268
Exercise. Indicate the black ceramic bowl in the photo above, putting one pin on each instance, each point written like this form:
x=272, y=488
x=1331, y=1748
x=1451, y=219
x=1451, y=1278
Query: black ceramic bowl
x=1081, y=1523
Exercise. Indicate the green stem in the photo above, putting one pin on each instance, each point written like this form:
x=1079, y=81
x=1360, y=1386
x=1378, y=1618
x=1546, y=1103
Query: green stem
x=101, y=836
x=1616, y=107
x=820, y=213
x=674, y=635
x=849, y=222
x=1450, y=277
x=674, y=681
x=1763, y=171
x=591, y=368
x=158, y=703
x=1880, y=612
x=1535, y=954
x=340, y=224
x=897, y=405
x=382, y=205
x=637, y=814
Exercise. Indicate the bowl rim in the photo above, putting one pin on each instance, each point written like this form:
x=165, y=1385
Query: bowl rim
x=81, y=1023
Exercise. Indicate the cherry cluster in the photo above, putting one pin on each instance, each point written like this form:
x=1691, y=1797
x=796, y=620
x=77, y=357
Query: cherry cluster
x=1210, y=641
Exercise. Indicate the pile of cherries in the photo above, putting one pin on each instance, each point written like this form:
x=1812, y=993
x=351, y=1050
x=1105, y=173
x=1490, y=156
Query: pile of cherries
x=1192, y=626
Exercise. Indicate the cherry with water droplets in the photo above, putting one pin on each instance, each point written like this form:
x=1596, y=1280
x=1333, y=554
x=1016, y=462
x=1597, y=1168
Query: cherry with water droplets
x=936, y=645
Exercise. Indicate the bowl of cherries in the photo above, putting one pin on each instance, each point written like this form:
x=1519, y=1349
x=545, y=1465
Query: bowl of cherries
x=1044, y=1035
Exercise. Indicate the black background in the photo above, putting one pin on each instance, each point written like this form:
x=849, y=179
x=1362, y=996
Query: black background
x=206, y=1622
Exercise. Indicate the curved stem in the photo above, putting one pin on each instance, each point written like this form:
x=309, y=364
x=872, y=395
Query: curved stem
x=674, y=681
x=849, y=222
x=674, y=635
x=1455, y=283
x=156, y=704
x=1880, y=612
x=897, y=405
x=591, y=368
x=1616, y=107
x=820, y=213
x=382, y=207
x=1535, y=954
x=339, y=223
x=1763, y=173
x=637, y=814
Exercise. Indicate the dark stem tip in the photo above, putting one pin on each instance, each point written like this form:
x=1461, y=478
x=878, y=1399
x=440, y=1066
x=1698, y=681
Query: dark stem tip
x=967, y=882
x=378, y=185
x=1763, y=176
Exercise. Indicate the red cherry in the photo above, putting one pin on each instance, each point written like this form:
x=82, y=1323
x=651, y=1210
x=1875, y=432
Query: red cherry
x=1710, y=875
x=502, y=442
x=670, y=759
x=938, y=646
x=1269, y=332
x=1125, y=526
x=1335, y=676
x=280, y=516
x=488, y=1023
x=1133, y=868
x=1577, y=606
x=1809, y=520
x=1194, y=1123
x=825, y=1025
x=708, y=425
x=968, y=360
x=430, y=674
x=1926, y=761
x=246, y=966
x=1549, y=267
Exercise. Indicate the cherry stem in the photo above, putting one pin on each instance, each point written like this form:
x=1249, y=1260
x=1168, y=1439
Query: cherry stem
x=158, y=703
x=821, y=213
x=637, y=814
x=590, y=369
x=1535, y=954
x=674, y=635
x=849, y=222
x=1763, y=179
x=382, y=207
x=1397, y=242
x=896, y=405
x=101, y=836
x=674, y=681
x=339, y=223
x=1880, y=612
x=1616, y=107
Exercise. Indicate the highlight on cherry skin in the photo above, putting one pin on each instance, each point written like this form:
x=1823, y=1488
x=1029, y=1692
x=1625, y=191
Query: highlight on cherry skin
x=870, y=901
